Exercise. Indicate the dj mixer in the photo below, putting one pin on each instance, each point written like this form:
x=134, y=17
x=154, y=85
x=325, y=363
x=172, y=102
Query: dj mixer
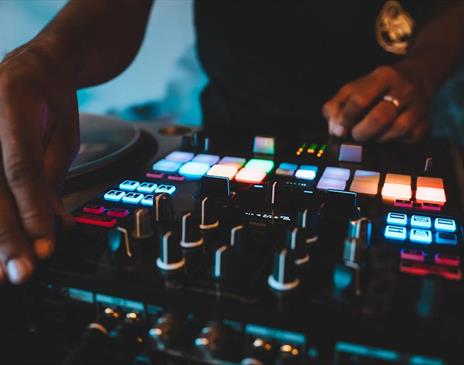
x=234, y=248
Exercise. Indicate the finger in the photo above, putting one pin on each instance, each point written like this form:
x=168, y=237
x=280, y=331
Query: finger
x=376, y=121
x=418, y=132
x=402, y=125
x=23, y=166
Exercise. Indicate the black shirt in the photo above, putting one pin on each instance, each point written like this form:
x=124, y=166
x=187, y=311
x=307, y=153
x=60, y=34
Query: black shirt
x=273, y=64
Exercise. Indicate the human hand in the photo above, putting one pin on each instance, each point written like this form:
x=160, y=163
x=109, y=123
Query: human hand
x=387, y=104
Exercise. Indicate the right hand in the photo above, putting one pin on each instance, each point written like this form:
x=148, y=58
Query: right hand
x=39, y=138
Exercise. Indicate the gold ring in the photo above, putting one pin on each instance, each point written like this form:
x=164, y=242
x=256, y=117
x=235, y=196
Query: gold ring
x=392, y=100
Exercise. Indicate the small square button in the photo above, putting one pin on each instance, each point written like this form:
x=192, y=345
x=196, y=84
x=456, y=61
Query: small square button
x=205, y=158
x=179, y=156
x=286, y=169
x=446, y=238
x=445, y=224
x=250, y=176
x=129, y=185
x=147, y=188
x=237, y=162
x=167, y=166
x=420, y=236
x=336, y=173
x=222, y=171
x=147, y=200
x=306, y=172
x=194, y=169
x=114, y=195
x=132, y=198
x=334, y=184
x=395, y=233
x=260, y=164
x=168, y=189
x=400, y=219
x=420, y=221
x=350, y=153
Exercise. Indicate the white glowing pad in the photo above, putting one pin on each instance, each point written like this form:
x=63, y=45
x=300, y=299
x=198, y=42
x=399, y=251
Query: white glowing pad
x=250, y=176
x=430, y=190
x=365, y=182
x=237, y=162
x=334, y=184
x=397, y=187
x=179, y=156
x=336, y=173
x=194, y=169
x=205, y=158
x=222, y=171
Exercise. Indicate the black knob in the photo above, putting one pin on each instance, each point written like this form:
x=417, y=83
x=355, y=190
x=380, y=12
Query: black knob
x=190, y=231
x=164, y=330
x=118, y=241
x=215, y=186
x=307, y=219
x=238, y=238
x=170, y=255
x=208, y=214
x=200, y=142
x=223, y=258
x=211, y=339
x=296, y=243
x=283, y=277
x=163, y=209
x=142, y=224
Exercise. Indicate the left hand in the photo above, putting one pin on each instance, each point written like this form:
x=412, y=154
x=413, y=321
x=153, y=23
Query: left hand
x=359, y=107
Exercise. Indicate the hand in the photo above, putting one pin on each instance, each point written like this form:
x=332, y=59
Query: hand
x=360, y=110
x=39, y=137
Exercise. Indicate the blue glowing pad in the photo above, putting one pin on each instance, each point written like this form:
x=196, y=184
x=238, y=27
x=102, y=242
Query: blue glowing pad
x=423, y=236
x=166, y=166
x=446, y=238
x=209, y=159
x=147, y=188
x=395, y=233
x=129, y=185
x=445, y=224
x=260, y=164
x=399, y=219
x=114, y=195
x=420, y=221
x=132, y=198
x=286, y=169
x=194, y=169
x=147, y=200
x=168, y=189
x=179, y=156
x=306, y=172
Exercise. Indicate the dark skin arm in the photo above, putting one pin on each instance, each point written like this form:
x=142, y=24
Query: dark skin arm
x=87, y=43
x=358, y=109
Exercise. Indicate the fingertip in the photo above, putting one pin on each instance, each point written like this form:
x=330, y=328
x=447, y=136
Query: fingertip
x=339, y=130
x=19, y=270
x=3, y=276
x=43, y=248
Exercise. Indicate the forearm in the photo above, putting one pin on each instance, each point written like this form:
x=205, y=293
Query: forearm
x=93, y=41
x=438, y=48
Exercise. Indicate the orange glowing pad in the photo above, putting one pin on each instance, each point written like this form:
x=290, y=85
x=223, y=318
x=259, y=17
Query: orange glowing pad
x=222, y=171
x=430, y=190
x=397, y=187
x=365, y=182
x=250, y=176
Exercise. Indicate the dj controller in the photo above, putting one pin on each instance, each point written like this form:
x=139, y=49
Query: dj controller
x=225, y=247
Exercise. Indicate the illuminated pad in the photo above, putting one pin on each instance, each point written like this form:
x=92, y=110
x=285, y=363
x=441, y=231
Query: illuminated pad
x=222, y=171
x=258, y=164
x=334, y=184
x=209, y=159
x=365, y=182
x=264, y=145
x=397, y=218
x=168, y=189
x=286, y=169
x=420, y=221
x=445, y=224
x=336, y=173
x=132, y=198
x=147, y=200
x=446, y=238
x=147, y=188
x=237, y=162
x=194, y=169
x=179, y=156
x=350, y=153
x=250, y=176
x=114, y=195
x=395, y=233
x=167, y=166
x=129, y=185
x=423, y=236
x=430, y=190
x=306, y=172
x=397, y=187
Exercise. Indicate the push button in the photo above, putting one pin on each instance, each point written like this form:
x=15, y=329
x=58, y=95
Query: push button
x=114, y=195
x=445, y=224
x=286, y=169
x=399, y=219
x=167, y=166
x=129, y=185
x=397, y=187
x=395, y=233
x=168, y=189
x=259, y=164
x=132, y=198
x=422, y=236
x=194, y=170
x=222, y=171
x=447, y=260
x=237, y=162
x=446, y=238
x=365, y=182
x=147, y=200
x=94, y=209
x=250, y=176
x=420, y=221
x=179, y=156
x=306, y=172
x=117, y=212
x=205, y=158
x=147, y=188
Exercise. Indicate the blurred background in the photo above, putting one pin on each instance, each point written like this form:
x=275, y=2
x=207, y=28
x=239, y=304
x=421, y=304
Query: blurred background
x=166, y=79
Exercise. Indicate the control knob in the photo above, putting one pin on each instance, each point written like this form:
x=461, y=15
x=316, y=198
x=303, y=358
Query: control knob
x=170, y=255
x=283, y=276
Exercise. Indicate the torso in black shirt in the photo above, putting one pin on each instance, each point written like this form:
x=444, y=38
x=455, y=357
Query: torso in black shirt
x=273, y=64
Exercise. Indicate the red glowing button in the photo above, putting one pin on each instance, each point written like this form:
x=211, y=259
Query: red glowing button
x=430, y=190
x=117, y=212
x=95, y=220
x=94, y=209
x=447, y=260
x=397, y=187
